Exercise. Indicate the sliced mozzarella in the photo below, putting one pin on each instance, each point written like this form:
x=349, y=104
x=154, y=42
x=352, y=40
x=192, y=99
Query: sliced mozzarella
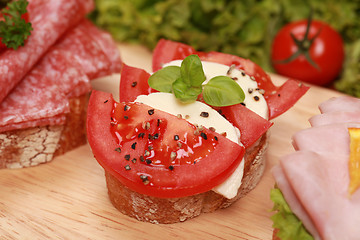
x=192, y=113
x=254, y=100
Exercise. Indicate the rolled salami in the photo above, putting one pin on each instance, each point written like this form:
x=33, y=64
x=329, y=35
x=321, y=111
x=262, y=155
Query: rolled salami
x=50, y=19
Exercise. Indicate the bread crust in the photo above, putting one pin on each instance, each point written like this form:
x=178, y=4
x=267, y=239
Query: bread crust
x=172, y=210
x=33, y=146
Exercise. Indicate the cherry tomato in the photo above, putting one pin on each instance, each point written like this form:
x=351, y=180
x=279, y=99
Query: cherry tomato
x=311, y=51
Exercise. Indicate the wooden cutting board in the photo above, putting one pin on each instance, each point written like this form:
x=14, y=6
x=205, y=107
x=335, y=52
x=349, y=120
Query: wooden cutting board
x=67, y=198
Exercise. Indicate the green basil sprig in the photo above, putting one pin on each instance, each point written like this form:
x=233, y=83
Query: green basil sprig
x=186, y=83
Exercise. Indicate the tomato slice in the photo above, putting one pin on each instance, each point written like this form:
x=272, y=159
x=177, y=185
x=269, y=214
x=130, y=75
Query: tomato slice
x=277, y=105
x=155, y=153
x=134, y=82
x=285, y=97
x=167, y=51
x=240, y=116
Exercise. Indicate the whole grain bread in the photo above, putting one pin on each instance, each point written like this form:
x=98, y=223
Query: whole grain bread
x=172, y=210
x=33, y=146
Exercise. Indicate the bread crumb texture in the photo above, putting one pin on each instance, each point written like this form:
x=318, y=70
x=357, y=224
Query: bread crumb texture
x=33, y=146
x=30, y=147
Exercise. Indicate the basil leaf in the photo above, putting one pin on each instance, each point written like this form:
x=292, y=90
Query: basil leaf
x=163, y=79
x=222, y=91
x=185, y=93
x=192, y=71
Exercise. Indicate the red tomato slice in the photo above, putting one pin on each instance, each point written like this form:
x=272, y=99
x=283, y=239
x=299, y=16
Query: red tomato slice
x=240, y=116
x=166, y=51
x=283, y=103
x=134, y=82
x=281, y=100
x=155, y=153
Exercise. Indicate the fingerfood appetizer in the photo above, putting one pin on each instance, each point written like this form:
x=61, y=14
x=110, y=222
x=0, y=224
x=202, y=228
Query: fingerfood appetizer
x=189, y=138
x=44, y=84
x=317, y=193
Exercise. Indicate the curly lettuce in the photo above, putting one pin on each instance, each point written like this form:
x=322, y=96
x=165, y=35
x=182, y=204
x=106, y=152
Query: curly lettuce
x=289, y=225
x=244, y=28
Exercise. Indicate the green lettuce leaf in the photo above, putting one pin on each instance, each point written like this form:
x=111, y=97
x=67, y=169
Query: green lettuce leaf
x=290, y=227
x=244, y=28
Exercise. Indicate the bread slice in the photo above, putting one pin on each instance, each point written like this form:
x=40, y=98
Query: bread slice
x=171, y=210
x=36, y=145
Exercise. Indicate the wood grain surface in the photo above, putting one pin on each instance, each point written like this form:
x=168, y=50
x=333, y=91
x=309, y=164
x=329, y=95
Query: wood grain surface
x=67, y=198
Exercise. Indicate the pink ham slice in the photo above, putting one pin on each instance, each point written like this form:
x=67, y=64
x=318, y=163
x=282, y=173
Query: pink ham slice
x=320, y=183
x=296, y=206
x=344, y=109
x=315, y=179
x=42, y=97
x=334, y=138
x=50, y=19
x=334, y=117
x=343, y=104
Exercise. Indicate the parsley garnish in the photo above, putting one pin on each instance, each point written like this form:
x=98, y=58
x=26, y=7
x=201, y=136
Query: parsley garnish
x=186, y=83
x=14, y=30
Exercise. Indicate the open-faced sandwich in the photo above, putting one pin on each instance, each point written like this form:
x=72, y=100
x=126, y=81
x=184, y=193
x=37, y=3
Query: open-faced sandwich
x=317, y=193
x=45, y=82
x=189, y=138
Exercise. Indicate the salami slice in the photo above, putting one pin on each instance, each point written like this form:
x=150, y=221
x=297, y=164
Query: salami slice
x=64, y=72
x=42, y=97
x=108, y=46
x=50, y=19
x=93, y=48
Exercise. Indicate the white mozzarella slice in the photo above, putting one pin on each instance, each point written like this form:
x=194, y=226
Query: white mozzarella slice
x=193, y=113
x=254, y=100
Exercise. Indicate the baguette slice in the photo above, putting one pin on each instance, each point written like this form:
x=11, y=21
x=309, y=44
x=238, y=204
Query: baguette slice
x=33, y=146
x=172, y=210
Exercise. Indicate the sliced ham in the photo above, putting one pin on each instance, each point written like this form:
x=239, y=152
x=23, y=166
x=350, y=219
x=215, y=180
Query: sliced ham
x=335, y=117
x=315, y=179
x=343, y=103
x=323, y=192
x=64, y=72
x=334, y=138
x=296, y=206
x=50, y=19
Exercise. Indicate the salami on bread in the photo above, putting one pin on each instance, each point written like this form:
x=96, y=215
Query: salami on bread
x=52, y=98
x=50, y=19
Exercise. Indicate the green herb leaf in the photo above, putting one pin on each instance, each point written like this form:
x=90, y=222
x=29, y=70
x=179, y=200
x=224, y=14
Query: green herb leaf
x=163, y=79
x=223, y=91
x=186, y=82
x=192, y=71
x=14, y=30
x=185, y=93
x=289, y=225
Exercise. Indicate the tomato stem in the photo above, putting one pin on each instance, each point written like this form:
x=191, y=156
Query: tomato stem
x=303, y=45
